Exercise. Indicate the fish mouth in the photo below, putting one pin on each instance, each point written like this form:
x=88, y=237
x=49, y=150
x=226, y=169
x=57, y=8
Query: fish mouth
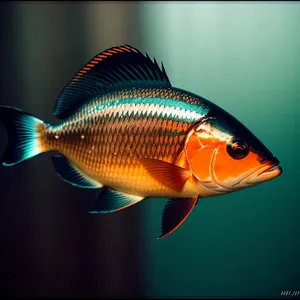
x=268, y=172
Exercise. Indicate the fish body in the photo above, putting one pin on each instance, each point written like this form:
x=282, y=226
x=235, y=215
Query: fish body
x=123, y=127
x=127, y=131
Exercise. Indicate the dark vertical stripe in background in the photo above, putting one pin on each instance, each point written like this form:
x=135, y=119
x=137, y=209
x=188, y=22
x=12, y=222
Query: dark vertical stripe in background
x=50, y=245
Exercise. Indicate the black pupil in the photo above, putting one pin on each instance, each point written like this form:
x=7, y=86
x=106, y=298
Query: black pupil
x=238, y=151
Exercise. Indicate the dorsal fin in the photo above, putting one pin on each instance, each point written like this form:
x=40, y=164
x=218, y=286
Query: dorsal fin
x=114, y=68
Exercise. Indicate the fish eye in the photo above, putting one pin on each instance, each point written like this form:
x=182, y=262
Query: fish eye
x=237, y=148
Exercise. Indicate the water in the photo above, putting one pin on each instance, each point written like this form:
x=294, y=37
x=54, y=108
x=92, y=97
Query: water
x=245, y=57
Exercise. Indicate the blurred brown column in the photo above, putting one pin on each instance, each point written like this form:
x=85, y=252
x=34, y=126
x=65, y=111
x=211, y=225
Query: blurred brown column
x=110, y=23
x=52, y=246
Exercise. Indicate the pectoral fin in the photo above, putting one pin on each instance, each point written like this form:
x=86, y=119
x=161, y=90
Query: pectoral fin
x=166, y=173
x=175, y=213
x=112, y=201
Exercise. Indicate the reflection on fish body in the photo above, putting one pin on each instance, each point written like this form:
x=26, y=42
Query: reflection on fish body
x=127, y=130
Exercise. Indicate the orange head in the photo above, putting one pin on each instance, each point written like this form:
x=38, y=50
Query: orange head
x=225, y=156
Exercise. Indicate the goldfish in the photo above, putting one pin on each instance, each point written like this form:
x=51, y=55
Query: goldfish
x=125, y=130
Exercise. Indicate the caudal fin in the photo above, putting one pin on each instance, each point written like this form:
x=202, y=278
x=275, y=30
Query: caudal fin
x=23, y=132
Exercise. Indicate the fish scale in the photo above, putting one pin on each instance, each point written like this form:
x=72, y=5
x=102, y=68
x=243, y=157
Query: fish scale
x=150, y=135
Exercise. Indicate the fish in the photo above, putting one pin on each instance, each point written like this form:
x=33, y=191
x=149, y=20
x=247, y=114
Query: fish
x=125, y=130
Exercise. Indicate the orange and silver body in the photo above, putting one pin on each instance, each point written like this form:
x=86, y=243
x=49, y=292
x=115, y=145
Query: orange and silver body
x=107, y=137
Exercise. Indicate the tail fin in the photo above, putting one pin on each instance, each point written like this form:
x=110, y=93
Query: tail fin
x=23, y=132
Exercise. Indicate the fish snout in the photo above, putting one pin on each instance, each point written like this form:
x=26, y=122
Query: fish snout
x=270, y=170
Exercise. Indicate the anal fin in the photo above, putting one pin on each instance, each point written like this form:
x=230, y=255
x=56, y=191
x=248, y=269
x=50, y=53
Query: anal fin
x=111, y=201
x=70, y=174
x=175, y=213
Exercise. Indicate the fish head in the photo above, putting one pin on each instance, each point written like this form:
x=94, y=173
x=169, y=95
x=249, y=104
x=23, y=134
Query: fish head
x=225, y=156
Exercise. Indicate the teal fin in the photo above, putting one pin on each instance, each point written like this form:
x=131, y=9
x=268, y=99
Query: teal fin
x=22, y=134
x=72, y=175
x=111, y=201
x=175, y=213
x=114, y=68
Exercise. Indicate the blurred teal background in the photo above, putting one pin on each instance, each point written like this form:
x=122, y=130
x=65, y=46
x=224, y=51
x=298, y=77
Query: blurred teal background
x=245, y=57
